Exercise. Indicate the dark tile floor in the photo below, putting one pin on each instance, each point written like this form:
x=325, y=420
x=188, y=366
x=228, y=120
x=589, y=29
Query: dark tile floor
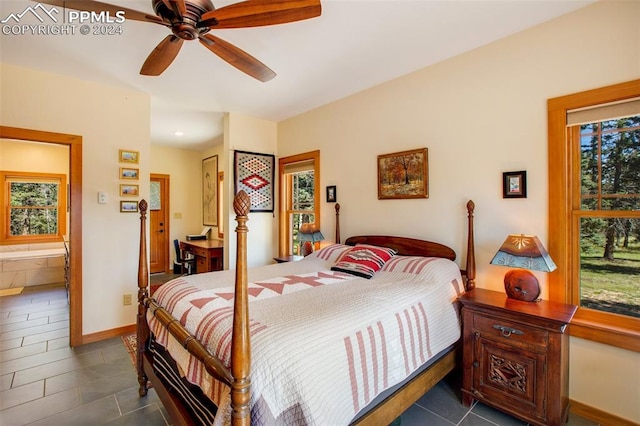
x=44, y=382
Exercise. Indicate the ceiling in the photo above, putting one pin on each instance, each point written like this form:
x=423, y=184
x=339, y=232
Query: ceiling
x=353, y=45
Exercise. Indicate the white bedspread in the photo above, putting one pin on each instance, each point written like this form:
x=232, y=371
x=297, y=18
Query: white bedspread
x=324, y=343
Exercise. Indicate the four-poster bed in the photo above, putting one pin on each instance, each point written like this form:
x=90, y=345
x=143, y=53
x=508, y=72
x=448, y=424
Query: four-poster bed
x=166, y=331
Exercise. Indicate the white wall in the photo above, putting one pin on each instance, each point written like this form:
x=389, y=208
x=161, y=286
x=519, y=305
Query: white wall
x=246, y=133
x=108, y=119
x=479, y=114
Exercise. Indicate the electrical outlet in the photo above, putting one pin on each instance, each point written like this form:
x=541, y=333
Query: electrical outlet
x=126, y=300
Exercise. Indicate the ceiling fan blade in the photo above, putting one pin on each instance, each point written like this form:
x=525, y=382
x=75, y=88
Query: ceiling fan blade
x=96, y=6
x=162, y=56
x=237, y=57
x=256, y=13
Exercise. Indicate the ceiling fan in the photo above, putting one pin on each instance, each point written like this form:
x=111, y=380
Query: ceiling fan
x=193, y=19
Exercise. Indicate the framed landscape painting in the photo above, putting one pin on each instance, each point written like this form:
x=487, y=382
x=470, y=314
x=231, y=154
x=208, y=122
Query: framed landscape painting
x=403, y=174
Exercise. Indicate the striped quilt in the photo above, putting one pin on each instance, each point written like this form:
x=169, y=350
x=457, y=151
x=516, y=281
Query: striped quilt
x=324, y=343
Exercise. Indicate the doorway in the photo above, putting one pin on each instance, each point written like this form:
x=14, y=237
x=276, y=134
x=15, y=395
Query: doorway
x=74, y=143
x=159, y=234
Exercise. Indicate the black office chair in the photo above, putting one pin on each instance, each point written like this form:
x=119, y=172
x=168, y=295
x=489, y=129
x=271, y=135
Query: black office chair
x=185, y=263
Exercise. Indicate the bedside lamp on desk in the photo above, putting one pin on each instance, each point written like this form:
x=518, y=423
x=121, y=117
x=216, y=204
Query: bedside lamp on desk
x=526, y=253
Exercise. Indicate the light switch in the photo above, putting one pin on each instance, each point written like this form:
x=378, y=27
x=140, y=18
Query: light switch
x=102, y=198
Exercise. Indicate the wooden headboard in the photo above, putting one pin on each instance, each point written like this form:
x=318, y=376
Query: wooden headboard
x=414, y=247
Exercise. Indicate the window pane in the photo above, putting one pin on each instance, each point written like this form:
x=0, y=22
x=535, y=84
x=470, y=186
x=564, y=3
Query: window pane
x=610, y=164
x=38, y=194
x=610, y=265
x=303, y=191
x=590, y=175
x=33, y=208
x=297, y=219
x=34, y=221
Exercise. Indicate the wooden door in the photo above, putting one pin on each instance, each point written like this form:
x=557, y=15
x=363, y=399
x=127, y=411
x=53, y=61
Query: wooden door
x=159, y=224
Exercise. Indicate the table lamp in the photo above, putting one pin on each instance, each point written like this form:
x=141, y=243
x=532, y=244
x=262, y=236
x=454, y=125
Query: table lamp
x=526, y=253
x=308, y=235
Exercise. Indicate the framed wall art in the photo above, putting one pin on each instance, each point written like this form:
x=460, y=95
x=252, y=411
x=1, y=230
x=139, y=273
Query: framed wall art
x=403, y=174
x=514, y=184
x=129, y=173
x=127, y=190
x=210, y=191
x=332, y=195
x=127, y=156
x=128, y=206
x=255, y=173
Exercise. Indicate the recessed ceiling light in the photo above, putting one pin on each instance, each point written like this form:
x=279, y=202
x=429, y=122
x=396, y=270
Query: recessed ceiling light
x=178, y=133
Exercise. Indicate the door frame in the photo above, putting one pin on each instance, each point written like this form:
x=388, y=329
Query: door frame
x=165, y=218
x=74, y=142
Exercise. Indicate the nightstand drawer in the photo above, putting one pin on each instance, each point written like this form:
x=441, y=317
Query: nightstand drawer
x=516, y=332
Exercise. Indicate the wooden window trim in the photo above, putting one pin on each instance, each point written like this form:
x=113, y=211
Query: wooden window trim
x=616, y=330
x=5, y=217
x=285, y=185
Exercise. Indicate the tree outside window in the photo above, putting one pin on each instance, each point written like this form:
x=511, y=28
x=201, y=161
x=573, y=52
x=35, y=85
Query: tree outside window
x=36, y=209
x=609, y=236
x=303, y=206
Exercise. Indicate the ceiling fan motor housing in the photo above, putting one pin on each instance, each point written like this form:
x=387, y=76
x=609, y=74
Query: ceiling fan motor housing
x=185, y=26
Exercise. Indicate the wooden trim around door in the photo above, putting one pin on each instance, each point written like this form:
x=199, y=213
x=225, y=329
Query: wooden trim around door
x=74, y=142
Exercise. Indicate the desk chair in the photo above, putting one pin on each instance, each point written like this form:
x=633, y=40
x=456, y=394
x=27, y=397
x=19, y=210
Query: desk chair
x=185, y=263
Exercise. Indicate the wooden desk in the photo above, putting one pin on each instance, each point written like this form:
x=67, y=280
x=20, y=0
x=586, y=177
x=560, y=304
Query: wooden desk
x=208, y=254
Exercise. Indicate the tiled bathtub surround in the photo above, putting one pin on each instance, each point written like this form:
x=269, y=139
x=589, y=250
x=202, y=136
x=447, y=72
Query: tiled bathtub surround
x=31, y=264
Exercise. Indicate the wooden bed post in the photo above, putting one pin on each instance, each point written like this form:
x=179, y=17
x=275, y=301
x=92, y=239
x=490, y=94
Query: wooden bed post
x=471, y=254
x=142, y=328
x=240, y=342
x=337, y=223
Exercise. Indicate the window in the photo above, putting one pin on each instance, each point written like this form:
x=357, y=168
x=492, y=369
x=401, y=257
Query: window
x=34, y=207
x=594, y=211
x=609, y=237
x=299, y=198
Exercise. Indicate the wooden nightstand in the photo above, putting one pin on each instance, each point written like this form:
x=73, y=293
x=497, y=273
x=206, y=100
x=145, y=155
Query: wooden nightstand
x=516, y=356
x=292, y=258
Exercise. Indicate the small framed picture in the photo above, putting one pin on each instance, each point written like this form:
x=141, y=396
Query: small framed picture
x=127, y=156
x=128, y=206
x=514, y=184
x=128, y=173
x=127, y=190
x=332, y=196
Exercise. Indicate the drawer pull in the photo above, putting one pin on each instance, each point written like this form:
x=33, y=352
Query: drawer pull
x=507, y=331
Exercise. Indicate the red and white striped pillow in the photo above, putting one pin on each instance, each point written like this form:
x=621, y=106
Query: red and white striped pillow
x=363, y=260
